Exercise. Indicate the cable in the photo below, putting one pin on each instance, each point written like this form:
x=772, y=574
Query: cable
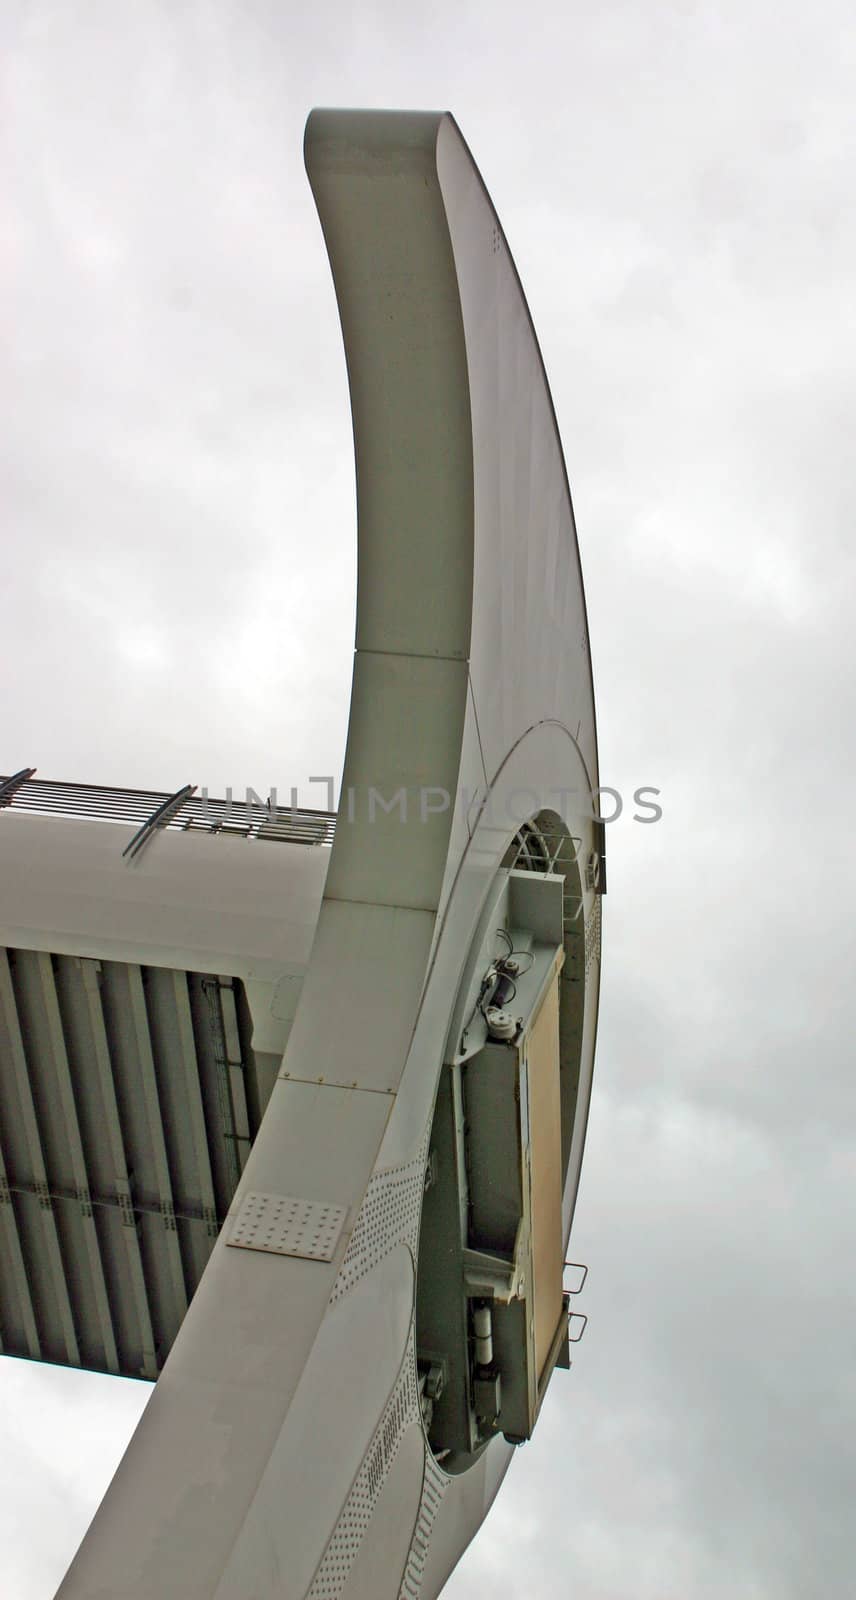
x=497, y=971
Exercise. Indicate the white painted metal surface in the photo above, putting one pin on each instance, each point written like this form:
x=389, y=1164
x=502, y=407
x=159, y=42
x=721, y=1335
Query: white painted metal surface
x=282, y=1453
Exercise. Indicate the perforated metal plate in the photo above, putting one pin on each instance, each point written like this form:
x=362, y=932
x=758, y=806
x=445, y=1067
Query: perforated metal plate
x=287, y=1226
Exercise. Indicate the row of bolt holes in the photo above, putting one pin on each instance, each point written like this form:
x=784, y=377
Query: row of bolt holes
x=250, y=1231
x=321, y=1224
x=298, y=1236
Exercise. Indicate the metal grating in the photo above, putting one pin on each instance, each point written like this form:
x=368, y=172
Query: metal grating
x=196, y=812
x=286, y=1226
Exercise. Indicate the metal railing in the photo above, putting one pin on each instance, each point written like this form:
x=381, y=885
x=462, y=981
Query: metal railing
x=148, y=810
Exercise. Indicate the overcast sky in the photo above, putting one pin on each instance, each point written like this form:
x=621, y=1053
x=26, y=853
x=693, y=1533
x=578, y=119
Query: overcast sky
x=676, y=184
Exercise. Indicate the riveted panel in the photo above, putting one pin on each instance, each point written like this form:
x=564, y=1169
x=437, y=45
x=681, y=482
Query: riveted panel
x=287, y=1226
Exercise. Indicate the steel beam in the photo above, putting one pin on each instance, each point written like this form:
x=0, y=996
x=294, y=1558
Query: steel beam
x=103, y=1062
x=190, y=1066
x=53, y=1251
x=80, y=1168
x=231, y=1092
x=19, y=1271
x=140, y=1021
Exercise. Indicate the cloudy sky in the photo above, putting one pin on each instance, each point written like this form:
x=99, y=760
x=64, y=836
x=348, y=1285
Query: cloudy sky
x=178, y=548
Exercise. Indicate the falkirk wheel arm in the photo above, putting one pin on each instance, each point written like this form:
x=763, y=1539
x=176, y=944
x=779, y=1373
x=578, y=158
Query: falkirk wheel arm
x=384, y=1307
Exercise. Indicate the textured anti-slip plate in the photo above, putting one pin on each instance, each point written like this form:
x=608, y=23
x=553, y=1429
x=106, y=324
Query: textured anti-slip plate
x=287, y=1226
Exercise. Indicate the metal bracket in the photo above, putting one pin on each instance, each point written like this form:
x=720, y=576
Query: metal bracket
x=490, y=1275
x=10, y=786
x=600, y=847
x=158, y=819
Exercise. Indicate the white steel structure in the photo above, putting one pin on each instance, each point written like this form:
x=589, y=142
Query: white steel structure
x=343, y=1263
